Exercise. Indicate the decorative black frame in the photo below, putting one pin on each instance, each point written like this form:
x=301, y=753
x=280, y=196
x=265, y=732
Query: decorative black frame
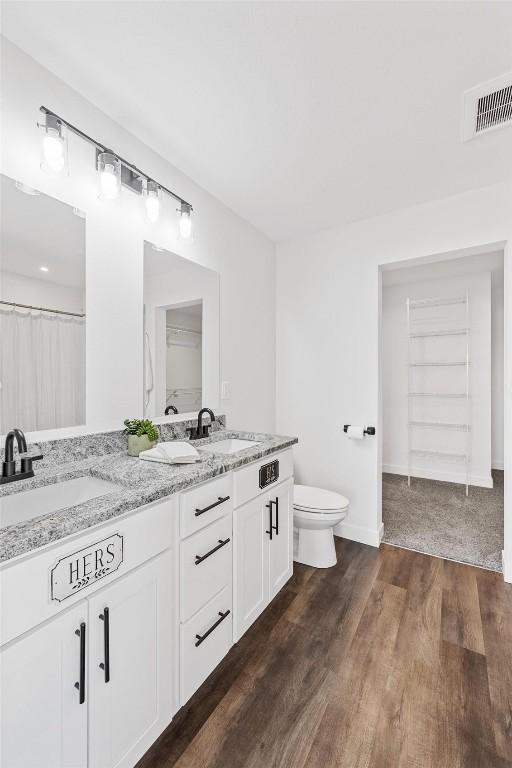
x=94, y=577
x=275, y=464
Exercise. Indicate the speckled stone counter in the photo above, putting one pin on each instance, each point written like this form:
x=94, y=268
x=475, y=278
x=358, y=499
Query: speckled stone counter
x=140, y=482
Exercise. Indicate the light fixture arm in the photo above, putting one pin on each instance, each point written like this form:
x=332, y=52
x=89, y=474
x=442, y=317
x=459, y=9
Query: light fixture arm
x=102, y=148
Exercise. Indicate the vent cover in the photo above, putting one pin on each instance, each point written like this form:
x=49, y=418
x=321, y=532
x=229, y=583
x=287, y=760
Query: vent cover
x=494, y=109
x=488, y=106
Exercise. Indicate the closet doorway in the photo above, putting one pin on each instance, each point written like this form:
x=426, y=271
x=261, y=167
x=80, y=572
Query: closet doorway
x=184, y=344
x=442, y=403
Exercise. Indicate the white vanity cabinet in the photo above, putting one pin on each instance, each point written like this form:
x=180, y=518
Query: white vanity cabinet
x=280, y=546
x=43, y=724
x=206, y=580
x=105, y=634
x=59, y=707
x=130, y=664
x=263, y=540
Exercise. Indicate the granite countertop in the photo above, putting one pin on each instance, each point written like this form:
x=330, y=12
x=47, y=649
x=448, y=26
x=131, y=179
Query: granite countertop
x=140, y=482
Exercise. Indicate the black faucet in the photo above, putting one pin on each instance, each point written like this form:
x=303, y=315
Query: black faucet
x=9, y=473
x=196, y=433
x=170, y=409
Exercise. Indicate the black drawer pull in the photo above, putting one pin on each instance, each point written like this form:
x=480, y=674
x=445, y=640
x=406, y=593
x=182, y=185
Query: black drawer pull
x=80, y=686
x=222, y=543
x=105, y=665
x=201, y=638
x=220, y=500
x=270, y=525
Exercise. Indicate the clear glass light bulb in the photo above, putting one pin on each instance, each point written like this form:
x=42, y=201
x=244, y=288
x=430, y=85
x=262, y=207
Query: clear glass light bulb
x=53, y=151
x=152, y=208
x=109, y=182
x=185, y=225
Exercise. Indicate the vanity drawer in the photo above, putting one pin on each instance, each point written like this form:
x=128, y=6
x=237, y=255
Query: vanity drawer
x=204, y=641
x=246, y=481
x=202, y=505
x=206, y=566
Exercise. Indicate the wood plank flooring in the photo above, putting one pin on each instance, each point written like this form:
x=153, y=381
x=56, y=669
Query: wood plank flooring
x=391, y=659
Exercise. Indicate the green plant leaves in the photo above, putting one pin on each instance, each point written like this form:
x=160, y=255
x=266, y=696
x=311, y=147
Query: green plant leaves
x=141, y=427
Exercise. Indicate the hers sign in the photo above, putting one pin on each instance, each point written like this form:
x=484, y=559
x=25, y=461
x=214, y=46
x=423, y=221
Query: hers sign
x=84, y=568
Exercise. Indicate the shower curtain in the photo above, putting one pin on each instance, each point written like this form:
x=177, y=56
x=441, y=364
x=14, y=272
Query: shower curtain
x=42, y=370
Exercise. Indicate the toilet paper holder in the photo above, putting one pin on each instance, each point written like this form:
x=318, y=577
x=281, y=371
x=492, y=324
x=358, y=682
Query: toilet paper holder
x=367, y=431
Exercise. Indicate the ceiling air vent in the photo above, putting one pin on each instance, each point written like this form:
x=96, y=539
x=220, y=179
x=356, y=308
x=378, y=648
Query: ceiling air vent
x=487, y=106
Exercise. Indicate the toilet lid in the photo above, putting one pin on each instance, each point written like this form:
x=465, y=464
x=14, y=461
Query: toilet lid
x=307, y=497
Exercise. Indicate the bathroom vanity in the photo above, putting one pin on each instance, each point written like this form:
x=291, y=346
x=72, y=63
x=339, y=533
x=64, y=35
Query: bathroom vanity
x=115, y=611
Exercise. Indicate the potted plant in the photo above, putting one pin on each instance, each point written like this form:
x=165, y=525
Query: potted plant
x=142, y=435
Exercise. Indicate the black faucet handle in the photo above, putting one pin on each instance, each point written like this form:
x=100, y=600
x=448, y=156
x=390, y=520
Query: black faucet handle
x=27, y=459
x=33, y=456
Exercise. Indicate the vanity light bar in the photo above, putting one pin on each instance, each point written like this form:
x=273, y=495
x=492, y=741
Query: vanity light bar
x=131, y=176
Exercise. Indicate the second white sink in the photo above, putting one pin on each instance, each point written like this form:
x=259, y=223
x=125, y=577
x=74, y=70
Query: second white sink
x=25, y=505
x=231, y=445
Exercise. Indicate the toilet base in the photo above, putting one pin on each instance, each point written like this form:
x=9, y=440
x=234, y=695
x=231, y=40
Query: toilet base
x=314, y=547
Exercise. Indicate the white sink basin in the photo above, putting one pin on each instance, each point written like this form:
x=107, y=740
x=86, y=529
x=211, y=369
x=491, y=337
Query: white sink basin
x=25, y=505
x=231, y=445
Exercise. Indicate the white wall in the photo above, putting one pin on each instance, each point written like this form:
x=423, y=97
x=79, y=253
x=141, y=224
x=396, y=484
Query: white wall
x=115, y=234
x=328, y=340
x=40, y=293
x=395, y=383
x=497, y=368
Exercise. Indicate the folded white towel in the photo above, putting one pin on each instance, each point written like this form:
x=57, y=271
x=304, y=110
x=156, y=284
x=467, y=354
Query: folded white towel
x=173, y=452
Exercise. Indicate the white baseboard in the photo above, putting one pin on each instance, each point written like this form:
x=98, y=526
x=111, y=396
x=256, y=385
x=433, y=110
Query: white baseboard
x=483, y=481
x=507, y=568
x=371, y=536
x=497, y=464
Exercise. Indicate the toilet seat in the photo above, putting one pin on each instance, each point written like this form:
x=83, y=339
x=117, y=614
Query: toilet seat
x=307, y=498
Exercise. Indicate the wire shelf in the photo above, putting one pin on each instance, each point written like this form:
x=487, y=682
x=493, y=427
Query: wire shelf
x=437, y=301
x=440, y=332
x=459, y=426
x=455, y=395
x=439, y=363
x=436, y=326
x=440, y=454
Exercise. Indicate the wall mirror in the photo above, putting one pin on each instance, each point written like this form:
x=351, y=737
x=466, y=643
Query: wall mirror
x=181, y=334
x=42, y=311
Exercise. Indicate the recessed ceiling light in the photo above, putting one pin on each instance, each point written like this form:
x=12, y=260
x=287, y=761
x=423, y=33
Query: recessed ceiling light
x=43, y=269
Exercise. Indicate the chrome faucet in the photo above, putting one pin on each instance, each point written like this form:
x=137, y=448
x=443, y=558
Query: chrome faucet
x=9, y=473
x=202, y=430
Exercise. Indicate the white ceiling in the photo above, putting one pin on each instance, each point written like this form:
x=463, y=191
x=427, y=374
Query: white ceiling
x=38, y=231
x=297, y=115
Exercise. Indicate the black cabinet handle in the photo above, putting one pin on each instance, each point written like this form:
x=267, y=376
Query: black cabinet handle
x=201, y=638
x=80, y=686
x=220, y=500
x=276, y=527
x=222, y=543
x=270, y=524
x=105, y=665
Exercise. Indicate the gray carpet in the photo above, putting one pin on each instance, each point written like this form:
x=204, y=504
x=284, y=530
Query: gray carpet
x=437, y=518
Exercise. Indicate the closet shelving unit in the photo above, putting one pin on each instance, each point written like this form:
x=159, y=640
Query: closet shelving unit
x=432, y=325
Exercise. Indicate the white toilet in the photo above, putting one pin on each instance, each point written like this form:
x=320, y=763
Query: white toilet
x=315, y=513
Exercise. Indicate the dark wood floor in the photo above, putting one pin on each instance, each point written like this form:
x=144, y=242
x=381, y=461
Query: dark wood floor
x=392, y=659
